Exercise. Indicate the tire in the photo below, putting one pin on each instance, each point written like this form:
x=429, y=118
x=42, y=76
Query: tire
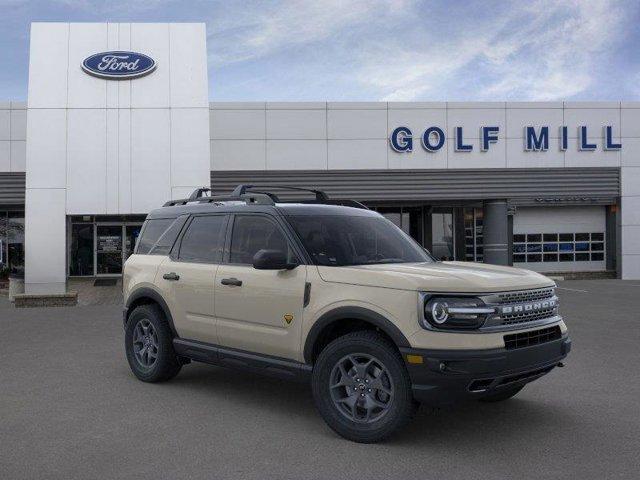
x=150, y=320
x=501, y=395
x=367, y=409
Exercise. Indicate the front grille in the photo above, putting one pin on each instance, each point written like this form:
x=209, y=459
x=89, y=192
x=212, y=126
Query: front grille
x=511, y=319
x=533, y=337
x=531, y=298
x=525, y=296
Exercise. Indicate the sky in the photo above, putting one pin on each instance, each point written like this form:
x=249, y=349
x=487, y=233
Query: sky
x=377, y=50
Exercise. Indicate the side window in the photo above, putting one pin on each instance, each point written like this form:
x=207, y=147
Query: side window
x=252, y=233
x=151, y=233
x=168, y=238
x=204, y=240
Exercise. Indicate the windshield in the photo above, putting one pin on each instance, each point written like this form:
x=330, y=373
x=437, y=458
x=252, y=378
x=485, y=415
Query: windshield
x=341, y=240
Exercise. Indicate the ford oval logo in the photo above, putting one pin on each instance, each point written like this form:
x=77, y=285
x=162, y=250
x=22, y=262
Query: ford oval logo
x=118, y=65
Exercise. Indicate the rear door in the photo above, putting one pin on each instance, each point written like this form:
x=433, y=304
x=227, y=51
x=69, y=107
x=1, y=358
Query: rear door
x=187, y=277
x=259, y=310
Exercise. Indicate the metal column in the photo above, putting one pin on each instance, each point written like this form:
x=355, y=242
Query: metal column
x=496, y=236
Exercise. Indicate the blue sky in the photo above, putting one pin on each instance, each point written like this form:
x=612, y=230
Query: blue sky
x=361, y=50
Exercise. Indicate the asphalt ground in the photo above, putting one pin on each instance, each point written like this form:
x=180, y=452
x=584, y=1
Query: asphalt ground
x=71, y=409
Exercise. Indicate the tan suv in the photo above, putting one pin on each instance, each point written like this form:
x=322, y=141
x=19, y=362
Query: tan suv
x=337, y=295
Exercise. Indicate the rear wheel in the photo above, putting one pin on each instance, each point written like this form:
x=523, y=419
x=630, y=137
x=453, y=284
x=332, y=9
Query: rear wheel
x=361, y=387
x=149, y=345
x=502, y=395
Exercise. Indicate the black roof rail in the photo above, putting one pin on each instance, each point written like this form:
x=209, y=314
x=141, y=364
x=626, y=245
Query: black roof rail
x=321, y=197
x=198, y=197
x=250, y=195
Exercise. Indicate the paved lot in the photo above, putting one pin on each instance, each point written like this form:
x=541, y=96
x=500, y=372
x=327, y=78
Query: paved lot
x=70, y=409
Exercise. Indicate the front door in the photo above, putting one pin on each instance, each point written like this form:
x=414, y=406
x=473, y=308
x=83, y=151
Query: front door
x=108, y=249
x=259, y=310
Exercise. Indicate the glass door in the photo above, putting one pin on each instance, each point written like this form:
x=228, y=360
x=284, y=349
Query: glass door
x=109, y=240
x=130, y=238
x=442, y=234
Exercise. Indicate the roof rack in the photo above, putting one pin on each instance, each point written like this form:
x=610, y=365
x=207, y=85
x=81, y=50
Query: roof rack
x=250, y=195
x=198, y=196
x=321, y=197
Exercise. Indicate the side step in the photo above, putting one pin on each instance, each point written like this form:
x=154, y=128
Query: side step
x=239, y=359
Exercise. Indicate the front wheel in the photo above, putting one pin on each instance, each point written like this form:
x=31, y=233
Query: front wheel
x=362, y=388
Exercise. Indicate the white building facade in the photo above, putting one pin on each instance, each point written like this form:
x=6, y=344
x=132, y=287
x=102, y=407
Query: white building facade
x=551, y=186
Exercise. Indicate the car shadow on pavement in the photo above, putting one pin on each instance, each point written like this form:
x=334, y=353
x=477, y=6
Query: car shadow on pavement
x=291, y=401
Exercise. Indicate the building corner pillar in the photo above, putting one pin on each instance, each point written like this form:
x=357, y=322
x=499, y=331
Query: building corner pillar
x=496, y=232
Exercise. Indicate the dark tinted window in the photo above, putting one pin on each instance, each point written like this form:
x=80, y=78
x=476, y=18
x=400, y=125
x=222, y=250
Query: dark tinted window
x=151, y=233
x=252, y=233
x=350, y=240
x=168, y=238
x=204, y=240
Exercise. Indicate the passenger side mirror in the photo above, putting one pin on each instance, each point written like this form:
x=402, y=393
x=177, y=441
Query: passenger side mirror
x=272, y=260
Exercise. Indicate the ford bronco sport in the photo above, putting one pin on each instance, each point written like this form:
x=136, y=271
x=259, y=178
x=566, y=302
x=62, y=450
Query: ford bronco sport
x=331, y=292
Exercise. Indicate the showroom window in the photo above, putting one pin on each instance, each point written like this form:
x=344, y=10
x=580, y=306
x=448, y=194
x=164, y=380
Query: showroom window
x=558, y=247
x=473, y=238
x=11, y=242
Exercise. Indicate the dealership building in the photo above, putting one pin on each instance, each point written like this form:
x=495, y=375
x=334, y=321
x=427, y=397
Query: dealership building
x=118, y=121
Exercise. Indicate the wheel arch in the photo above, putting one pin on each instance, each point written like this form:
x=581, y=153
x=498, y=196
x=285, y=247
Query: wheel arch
x=331, y=321
x=146, y=296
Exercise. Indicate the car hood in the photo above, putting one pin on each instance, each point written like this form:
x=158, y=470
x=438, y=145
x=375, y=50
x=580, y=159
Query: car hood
x=460, y=277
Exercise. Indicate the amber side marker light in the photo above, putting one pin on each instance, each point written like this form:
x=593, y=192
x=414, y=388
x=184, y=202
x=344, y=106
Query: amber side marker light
x=414, y=359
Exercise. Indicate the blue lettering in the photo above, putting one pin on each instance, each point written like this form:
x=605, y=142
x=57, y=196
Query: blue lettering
x=489, y=135
x=539, y=143
x=584, y=145
x=608, y=142
x=426, y=139
x=564, y=138
x=460, y=146
x=401, y=140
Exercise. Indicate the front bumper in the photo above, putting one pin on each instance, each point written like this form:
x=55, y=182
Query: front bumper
x=448, y=376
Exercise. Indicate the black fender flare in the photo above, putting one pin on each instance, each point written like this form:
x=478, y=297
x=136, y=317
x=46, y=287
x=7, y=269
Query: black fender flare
x=146, y=292
x=355, y=313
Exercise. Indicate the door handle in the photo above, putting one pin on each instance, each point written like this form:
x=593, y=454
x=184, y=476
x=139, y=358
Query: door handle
x=232, y=282
x=171, y=276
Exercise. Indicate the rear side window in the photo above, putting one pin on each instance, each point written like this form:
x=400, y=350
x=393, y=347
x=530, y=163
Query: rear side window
x=151, y=232
x=168, y=238
x=204, y=240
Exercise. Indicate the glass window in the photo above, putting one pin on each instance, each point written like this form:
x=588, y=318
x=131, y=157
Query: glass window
x=571, y=247
x=442, y=231
x=204, y=240
x=81, y=258
x=341, y=240
x=15, y=241
x=252, y=233
x=164, y=244
x=151, y=233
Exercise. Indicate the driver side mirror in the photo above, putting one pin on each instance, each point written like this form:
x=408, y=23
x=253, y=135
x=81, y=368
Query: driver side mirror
x=272, y=260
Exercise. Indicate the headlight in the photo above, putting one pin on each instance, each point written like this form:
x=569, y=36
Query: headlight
x=455, y=312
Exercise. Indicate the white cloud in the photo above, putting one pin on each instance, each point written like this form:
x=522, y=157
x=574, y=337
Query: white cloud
x=260, y=29
x=546, y=50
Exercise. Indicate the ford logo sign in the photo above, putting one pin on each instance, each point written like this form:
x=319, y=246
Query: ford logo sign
x=118, y=65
